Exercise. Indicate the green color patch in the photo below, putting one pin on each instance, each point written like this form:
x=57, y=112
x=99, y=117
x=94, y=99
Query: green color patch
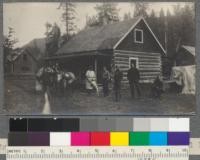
x=139, y=138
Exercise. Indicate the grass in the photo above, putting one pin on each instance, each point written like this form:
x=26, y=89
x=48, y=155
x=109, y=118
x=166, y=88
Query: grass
x=21, y=98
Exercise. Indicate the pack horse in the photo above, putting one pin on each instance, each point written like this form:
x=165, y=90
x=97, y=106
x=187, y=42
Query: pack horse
x=57, y=81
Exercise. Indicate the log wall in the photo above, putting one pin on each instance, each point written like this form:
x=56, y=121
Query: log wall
x=149, y=64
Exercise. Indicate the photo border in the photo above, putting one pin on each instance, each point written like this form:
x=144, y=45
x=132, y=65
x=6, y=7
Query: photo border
x=197, y=47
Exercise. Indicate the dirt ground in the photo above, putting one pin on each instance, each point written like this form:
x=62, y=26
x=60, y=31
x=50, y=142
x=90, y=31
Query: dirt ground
x=21, y=98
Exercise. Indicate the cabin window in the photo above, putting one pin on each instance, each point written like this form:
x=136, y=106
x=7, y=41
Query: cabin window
x=138, y=35
x=134, y=61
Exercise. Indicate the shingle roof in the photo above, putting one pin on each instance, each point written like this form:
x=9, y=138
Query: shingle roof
x=36, y=48
x=14, y=55
x=190, y=49
x=97, y=38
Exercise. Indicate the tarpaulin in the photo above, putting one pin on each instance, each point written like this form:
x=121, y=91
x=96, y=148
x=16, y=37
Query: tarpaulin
x=185, y=76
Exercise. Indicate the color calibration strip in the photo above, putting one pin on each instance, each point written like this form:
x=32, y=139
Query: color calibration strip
x=99, y=132
x=99, y=124
x=98, y=139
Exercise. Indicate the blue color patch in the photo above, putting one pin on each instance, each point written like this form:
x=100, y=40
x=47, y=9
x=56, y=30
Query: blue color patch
x=158, y=138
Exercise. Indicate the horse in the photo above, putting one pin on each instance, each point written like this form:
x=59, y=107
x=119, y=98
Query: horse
x=58, y=81
x=45, y=77
x=65, y=81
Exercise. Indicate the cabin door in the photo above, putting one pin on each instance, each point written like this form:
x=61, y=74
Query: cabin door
x=102, y=62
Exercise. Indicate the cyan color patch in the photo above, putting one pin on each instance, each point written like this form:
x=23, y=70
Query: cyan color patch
x=158, y=138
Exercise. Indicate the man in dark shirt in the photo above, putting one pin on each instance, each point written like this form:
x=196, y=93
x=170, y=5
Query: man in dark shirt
x=117, y=83
x=106, y=79
x=134, y=77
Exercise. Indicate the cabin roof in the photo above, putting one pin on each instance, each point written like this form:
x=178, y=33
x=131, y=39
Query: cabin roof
x=35, y=48
x=101, y=38
x=14, y=55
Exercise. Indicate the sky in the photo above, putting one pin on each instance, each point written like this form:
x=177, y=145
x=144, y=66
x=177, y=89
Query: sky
x=28, y=19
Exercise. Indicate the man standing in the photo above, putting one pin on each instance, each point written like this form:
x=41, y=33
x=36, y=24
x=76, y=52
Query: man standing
x=106, y=79
x=117, y=83
x=91, y=81
x=134, y=77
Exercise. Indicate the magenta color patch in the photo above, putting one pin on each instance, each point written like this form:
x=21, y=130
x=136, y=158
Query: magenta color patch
x=80, y=138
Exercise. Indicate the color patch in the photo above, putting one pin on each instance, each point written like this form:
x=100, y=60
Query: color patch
x=100, y=139
x=159, y=124
x=139, y=138
x=18, y=125
x=38, y=139
x=141, y=124
x=178, y=138
x=119, y=138
x=60, y=139
x=88, y=124
x=124, y=124
x=179, y=125
x=53, y=125
x=80, y=138
x=158, y=138
x=106, y=124
x=17, y=139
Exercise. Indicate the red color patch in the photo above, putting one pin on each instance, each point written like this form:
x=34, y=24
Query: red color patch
x=100, y=139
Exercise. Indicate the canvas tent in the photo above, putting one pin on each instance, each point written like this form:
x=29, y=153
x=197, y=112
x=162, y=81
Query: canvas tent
x=184, y=71
x=185, y=76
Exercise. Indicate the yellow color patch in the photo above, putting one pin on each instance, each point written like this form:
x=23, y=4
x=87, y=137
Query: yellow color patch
x=119, y=138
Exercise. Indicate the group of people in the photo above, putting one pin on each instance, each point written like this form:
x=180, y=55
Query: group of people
x=54, y=77
x=133, y=76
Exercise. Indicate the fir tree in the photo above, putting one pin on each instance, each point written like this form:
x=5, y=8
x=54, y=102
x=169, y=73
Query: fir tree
x=8, y=45
x=68, y=17
x=127, y=16
x=106, y=13
x=140, y=9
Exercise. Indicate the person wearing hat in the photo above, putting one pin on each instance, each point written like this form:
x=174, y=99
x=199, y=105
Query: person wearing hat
x=133, y=77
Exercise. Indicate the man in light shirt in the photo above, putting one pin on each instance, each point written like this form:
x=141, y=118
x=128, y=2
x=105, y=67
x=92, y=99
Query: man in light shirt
x=91, y=81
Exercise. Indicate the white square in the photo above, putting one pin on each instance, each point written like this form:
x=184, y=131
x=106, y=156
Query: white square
x=60, y=139
x=179, y=125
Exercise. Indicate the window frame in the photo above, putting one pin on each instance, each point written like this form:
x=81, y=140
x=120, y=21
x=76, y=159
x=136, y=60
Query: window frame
x=142, y=38
x=137, y=61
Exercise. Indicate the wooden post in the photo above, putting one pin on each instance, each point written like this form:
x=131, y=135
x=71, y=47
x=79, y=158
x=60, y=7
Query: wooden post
x=95, y=65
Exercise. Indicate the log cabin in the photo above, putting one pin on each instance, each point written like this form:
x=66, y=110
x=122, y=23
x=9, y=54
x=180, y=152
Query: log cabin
x=27, y=59
x=120, y=43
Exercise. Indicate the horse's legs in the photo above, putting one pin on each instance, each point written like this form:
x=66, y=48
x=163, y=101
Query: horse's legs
x=64, y=87
x=57, y=88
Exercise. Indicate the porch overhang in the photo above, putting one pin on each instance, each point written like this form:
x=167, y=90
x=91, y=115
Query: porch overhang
x=106, y=53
